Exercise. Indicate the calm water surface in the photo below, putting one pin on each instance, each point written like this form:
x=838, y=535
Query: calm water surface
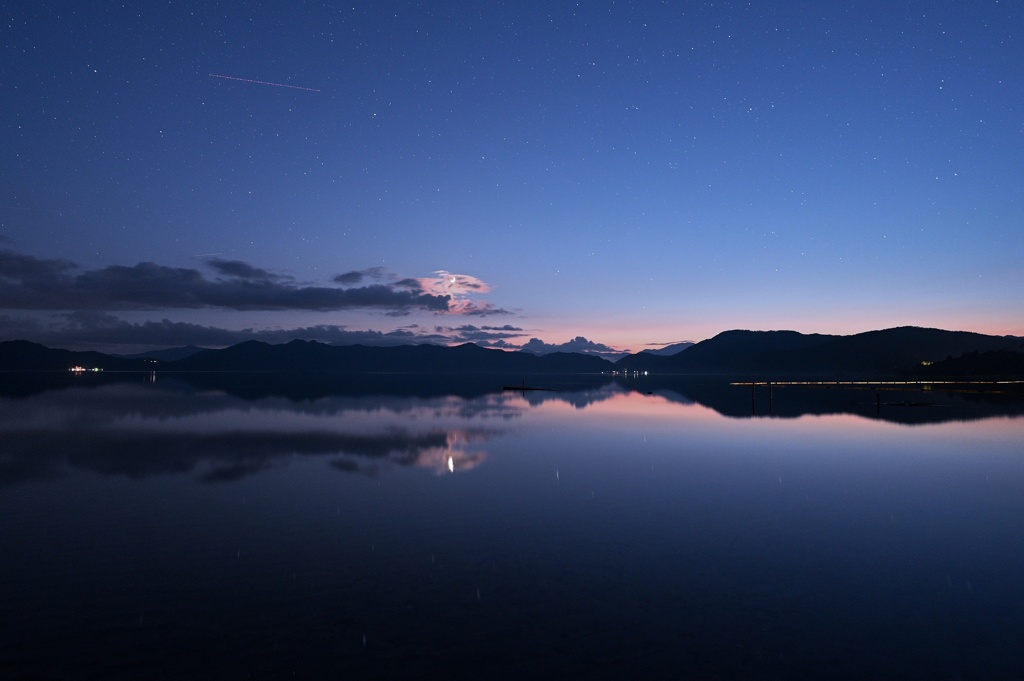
x=164, y=530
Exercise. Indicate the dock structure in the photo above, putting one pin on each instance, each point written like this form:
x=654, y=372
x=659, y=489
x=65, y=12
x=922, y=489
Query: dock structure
x=874, y=385
x=975, y=386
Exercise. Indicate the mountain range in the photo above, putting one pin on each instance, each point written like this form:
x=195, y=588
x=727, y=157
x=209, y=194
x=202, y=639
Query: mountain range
x=898, y=352
x=668, y=350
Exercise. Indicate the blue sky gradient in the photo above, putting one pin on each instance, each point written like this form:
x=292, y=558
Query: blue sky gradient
x=633, y=172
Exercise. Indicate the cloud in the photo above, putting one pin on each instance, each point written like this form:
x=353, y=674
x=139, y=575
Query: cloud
x=662, y=344
x=356, y=276
x=98, y=330
x=66, y=305
x=106, y=332
x=482, y=335
x=446, y=283
x=16, y=267
x=473, y=309
x=458, y=288
x=578, y=344
x=29, y=283
x=242, y=270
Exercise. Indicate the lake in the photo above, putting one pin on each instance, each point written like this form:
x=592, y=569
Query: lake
x=215, y=527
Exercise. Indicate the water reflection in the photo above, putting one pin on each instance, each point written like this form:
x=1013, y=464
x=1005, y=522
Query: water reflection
x=608, y=529
x=138, y=431
x=909, y=405
x=222, y=428
x=140, y=427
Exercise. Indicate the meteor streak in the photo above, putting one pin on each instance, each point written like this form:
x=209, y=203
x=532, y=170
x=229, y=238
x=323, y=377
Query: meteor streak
x=264, y=82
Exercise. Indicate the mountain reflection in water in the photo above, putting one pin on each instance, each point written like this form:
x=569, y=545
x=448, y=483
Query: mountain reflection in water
x=141, y=430
x=207, y=527
x=223, y=427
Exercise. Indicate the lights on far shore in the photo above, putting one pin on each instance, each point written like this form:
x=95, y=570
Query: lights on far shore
x=81, y=370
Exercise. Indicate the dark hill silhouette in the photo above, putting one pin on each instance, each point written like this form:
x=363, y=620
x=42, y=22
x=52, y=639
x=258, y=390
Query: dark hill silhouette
x=669, y=350
x=20, y=355
x=167, y=354
x=730, y=352
x=890, y=352
x=746, y=351
x=410, y=359
x=775, y=355
x=310, y=356
x=1004, y=364
x=898, y=350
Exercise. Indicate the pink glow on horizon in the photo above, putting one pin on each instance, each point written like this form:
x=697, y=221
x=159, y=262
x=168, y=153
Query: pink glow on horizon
x=633, y=407
x=640, y=336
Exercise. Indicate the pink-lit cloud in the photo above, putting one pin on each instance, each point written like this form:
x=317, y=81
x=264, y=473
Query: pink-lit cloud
x=461, y=290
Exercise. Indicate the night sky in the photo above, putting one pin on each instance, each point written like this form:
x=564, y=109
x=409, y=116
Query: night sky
x=637, y=173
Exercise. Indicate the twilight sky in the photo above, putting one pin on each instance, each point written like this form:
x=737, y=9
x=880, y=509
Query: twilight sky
x=637, y=173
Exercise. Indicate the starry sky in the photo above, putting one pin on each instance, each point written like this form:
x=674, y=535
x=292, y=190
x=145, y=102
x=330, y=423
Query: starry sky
x=625, y=174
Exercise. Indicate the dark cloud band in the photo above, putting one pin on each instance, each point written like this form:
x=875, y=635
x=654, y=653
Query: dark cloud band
x=29, y=283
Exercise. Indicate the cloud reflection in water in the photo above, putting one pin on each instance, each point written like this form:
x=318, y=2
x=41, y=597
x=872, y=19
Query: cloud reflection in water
x=140, y=431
